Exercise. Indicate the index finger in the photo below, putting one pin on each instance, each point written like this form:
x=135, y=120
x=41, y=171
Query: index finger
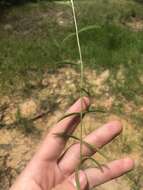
x=53, y=146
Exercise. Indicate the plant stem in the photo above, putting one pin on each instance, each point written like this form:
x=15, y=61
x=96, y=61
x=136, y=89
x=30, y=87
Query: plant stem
x=81, y=76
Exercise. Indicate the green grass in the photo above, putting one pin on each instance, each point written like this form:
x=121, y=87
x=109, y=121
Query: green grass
x=35, y=42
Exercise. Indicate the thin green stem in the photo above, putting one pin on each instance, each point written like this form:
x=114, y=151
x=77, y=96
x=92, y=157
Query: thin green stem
x=81, y=76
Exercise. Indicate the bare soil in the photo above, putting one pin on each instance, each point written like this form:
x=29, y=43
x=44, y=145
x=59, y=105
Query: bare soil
x=19, y=139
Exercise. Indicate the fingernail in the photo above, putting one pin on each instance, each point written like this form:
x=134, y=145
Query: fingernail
x=129, y=163
x=82, y=180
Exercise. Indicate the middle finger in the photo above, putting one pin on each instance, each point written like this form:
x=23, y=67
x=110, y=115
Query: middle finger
x=98, y=138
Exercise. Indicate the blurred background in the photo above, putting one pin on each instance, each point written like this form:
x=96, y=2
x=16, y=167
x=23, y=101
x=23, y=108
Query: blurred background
x=39, y=77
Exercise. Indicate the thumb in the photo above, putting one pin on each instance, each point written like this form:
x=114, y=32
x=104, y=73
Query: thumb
x=70, y=183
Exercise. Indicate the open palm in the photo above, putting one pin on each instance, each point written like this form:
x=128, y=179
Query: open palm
x=50, y=169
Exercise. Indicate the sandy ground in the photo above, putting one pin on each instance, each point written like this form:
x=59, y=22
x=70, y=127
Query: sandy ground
x=19, y=138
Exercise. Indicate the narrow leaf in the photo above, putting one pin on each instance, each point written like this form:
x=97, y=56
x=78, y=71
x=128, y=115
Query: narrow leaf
x=94, y=161
x=70, y=114
x=63, y=3
x=93, y=148
x=84, y=29
x=77, y=179
x=83, y=113
x=67, y=62
x=86, y=92
x=92, y=110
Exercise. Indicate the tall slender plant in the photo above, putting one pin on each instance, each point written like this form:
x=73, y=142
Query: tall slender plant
x=81, y=113
x=81, y=77
x=81, y=87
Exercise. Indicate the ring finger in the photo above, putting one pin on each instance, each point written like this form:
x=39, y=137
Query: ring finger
x=98, y=138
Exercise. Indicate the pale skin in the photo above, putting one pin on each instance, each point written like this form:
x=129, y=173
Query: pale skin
x=50, y=170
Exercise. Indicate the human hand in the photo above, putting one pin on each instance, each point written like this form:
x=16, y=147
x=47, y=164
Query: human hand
x=51, y=170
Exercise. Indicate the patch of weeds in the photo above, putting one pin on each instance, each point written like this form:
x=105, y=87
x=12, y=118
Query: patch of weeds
x=139, y=1
x=136, y=178
x=141, y=142
x=27, y=89
x=6, y=173
x=126, y=92
x=137, y=118
x=118, y=108
x=130, y=88
x=106, y=44
x=49, y=104
x=25, y=124
x=126, y=146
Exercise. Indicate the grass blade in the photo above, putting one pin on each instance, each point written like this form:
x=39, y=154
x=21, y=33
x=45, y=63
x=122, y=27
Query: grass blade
x=95, y=162
x=86, y=92
x=77, y=179
x=90, y=110
x=84, y=29
x=67, y=62
x=63, y=3
x=93, y=148
x=70, y=114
